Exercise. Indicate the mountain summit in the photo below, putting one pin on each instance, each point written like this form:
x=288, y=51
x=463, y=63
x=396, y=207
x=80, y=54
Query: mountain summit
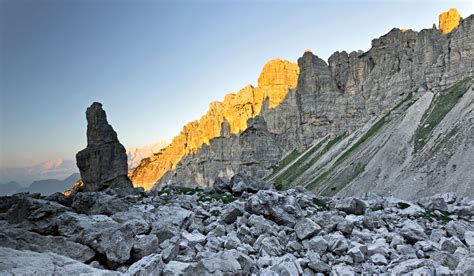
x=448, y=21
x=223, y=118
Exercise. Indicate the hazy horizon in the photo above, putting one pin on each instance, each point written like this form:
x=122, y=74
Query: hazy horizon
x=155, y=65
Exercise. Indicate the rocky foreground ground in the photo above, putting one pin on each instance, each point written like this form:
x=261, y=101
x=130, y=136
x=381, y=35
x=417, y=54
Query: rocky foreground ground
x=241, y=227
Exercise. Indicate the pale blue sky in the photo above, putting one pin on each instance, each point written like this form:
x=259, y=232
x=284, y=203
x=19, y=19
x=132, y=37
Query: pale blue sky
x=156, y=65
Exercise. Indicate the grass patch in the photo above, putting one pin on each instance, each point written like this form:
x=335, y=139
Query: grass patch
x=180, y=190
x=302, y=165
x=226, y=199
x=371, y=132
x=295, y=170
x=359, y=167
x=283, y=163
x=438, y=109
x=321, y=202
x=432, y=215
x=215, y=213
x=402, y=205
x=376, y=208
x=346, y=177
x=142, y=195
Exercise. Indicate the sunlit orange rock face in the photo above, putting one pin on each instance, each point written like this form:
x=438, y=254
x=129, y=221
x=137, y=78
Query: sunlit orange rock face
x=276, y=79
x=449, y=21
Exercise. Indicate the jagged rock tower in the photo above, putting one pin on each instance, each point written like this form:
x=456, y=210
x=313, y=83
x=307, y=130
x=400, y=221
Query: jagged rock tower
x=103, y=163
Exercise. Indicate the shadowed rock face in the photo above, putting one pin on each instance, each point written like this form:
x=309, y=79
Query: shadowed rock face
x=103, y=163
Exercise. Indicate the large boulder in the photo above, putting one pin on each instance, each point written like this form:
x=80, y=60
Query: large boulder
x=244, y=183
x=98, y=204
x=33, y=214
x=15, y=262
x=25, y=240
x=103, y=163
x=351, y=205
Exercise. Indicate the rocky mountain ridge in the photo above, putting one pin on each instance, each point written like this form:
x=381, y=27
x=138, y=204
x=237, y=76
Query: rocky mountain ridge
x=223, y=118
x=341, y=97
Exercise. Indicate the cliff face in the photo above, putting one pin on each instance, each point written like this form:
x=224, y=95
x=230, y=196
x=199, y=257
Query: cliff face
x=335, y=98
x=276, y=79
x=448, y=21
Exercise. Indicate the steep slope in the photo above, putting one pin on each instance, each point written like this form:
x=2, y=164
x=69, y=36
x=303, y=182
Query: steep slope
x=420, y=147
x=276, y=79
x=409, y=164
x=336, y=98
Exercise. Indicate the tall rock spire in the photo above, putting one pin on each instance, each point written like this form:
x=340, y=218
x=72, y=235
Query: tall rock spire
x=103, y=163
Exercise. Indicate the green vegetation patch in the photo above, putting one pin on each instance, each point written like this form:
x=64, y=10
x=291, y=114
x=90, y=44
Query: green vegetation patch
x=296, y=169
x=215, y=213
x=180, y=190
x=439, y=108
x=377, y=208
x=303, y=164
x=371, y=132
x=437, y=214
x=321, y=202
x=346, y=177
x=402, y=205
x=359, y=167
x=226, y=199
x=283, y=163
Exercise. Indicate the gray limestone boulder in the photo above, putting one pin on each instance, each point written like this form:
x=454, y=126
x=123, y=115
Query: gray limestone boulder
x=216, y=265
x=243, y=183
x=413, y=231
x=92, y=203
x=222, y=185
x=306, y=228
x=20, y=239
x=149, y=265
x=351, y=205
x=26, y=262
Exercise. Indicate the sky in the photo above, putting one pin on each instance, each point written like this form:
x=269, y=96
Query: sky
x=156, y=65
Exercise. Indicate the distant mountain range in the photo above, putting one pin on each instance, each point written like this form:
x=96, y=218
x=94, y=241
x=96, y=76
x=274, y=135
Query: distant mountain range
x=45, y=187
x=52, y=169
x=135, y=155
x=58, y=175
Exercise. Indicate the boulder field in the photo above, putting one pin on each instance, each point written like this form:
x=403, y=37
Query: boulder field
x=241, y=227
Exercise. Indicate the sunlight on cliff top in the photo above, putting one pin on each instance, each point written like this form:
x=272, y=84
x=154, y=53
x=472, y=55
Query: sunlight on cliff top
x=448, y=21
x=277, y=78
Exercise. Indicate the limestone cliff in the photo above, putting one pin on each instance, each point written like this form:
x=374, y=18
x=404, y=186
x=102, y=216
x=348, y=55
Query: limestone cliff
x=277, y=78
x=448, y=21
x=335, y=98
